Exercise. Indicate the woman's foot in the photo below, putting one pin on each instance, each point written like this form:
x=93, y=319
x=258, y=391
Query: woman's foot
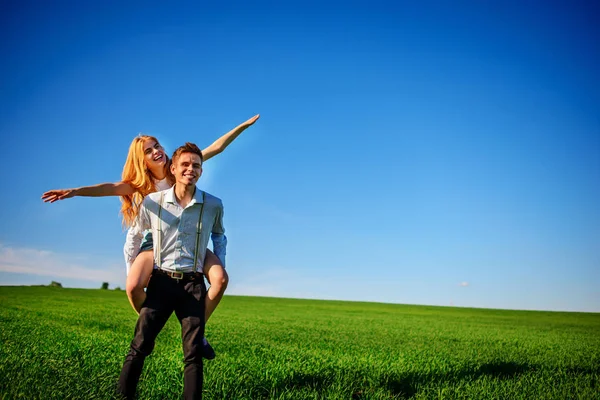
x=207, y=351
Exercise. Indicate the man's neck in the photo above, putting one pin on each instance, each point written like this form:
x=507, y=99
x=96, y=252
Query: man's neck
x=184, y=194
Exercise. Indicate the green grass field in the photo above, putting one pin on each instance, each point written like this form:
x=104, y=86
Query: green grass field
x=70, y=344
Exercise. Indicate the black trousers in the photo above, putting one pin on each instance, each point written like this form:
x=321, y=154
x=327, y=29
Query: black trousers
x=163, y=296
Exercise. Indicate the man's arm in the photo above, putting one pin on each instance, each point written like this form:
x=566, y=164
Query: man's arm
x=218, y=236
x=221, y=143
x=135, y=234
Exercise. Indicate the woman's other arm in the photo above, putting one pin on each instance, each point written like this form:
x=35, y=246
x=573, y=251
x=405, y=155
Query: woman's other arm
x=221, y=143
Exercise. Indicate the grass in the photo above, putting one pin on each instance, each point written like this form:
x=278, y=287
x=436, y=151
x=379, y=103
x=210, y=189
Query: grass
x=70, y=344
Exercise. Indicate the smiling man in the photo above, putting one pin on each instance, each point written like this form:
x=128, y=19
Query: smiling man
x=182, y=219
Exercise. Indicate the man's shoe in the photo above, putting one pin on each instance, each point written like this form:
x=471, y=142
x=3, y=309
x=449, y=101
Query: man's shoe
x=207, y=351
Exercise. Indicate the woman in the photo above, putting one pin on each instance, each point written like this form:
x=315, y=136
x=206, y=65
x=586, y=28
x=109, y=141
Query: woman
x=146, y=170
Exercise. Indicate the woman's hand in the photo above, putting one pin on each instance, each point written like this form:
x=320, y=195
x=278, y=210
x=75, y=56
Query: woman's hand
x=251, y=120
x=60, y=194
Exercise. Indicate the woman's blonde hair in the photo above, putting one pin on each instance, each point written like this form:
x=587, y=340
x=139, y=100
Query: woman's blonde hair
x=139, y=177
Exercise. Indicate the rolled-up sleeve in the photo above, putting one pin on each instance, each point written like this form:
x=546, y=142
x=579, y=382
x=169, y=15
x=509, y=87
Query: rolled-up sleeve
x=218, y=236
x=133, y=240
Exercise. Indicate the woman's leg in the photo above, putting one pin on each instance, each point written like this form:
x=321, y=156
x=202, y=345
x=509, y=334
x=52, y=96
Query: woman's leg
x=218, y=279
x=138, y=277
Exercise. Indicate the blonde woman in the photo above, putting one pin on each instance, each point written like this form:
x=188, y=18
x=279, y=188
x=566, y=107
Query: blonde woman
x=146, y=170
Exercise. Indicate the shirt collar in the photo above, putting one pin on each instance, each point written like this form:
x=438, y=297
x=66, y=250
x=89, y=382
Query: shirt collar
x=170, y=196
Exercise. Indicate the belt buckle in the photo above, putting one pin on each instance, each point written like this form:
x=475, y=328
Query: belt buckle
x=176, y=275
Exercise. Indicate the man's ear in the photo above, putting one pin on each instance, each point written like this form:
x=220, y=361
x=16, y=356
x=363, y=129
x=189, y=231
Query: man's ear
x=172, y=168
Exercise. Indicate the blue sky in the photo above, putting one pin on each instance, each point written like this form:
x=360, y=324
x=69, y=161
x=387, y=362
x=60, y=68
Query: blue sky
x=441, y=153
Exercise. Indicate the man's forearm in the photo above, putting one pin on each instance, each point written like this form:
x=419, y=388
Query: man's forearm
x=133, y=240
x=131, y=249
x=220, y=246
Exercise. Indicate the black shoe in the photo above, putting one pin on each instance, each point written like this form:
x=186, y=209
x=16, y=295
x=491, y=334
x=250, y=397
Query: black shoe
x=207, y=351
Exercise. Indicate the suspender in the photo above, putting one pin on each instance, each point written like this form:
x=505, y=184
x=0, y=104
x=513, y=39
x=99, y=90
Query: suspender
x=198, y=232
x=158, y=247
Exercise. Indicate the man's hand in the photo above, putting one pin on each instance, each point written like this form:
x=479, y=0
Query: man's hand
x=54, y=195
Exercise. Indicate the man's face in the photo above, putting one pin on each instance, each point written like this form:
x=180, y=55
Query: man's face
x=187, y=169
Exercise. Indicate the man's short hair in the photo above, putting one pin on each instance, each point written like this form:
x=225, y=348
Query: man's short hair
x=187, y=148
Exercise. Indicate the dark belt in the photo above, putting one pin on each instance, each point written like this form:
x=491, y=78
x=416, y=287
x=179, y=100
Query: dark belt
x=179, y=276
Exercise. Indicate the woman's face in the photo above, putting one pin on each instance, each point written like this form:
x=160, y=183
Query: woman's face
x=154, y=155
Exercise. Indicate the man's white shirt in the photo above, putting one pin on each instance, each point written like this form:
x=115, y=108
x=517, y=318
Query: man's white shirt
x=178, y=229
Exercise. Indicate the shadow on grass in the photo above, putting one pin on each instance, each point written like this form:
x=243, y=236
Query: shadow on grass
x=398, y=386
x=315, y=381
x=500, y=370
x=407, y=386
x=401, y=386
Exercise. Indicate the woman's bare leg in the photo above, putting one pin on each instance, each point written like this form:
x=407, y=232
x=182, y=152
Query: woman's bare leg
x=138, y=277
x=218, y=279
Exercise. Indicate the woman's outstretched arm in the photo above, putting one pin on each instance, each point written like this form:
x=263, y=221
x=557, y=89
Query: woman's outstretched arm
x=103, y=189
x=221, y=143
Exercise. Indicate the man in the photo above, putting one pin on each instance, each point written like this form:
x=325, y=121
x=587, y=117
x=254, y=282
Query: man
x=181, y=219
